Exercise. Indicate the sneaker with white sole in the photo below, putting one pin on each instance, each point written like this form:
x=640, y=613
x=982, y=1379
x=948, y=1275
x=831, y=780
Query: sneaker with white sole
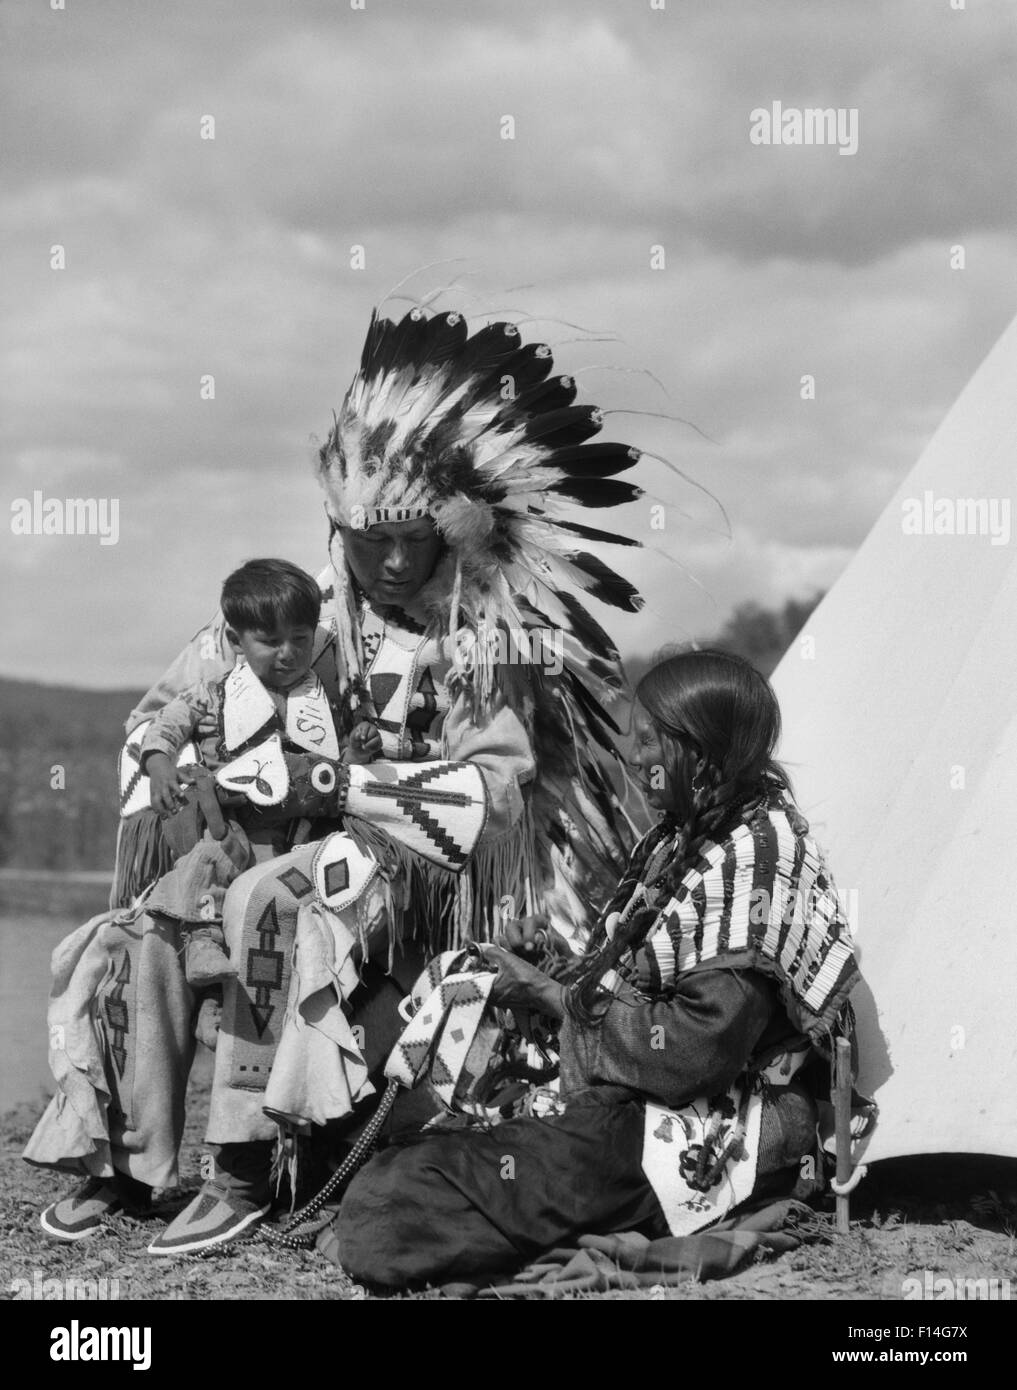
x=82, y=1212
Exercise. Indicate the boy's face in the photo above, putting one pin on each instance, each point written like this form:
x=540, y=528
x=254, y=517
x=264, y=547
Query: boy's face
x=280, y=658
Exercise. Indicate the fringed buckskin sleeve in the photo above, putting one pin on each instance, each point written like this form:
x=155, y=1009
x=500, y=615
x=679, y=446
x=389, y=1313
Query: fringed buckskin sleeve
x=443, y=810
x=192, y=714
x=499, y=746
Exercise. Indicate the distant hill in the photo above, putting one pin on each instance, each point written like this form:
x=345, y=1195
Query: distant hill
x=47, y=727
x=79, y=709
x=43, y=727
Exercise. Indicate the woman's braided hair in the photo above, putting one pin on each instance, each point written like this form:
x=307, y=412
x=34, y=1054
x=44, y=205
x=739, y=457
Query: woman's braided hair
x=718, y=723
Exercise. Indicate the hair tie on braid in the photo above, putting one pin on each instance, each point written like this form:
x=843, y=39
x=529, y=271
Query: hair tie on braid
x=798, y=823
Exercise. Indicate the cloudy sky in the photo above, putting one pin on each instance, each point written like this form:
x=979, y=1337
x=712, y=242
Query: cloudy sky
x=382, y=127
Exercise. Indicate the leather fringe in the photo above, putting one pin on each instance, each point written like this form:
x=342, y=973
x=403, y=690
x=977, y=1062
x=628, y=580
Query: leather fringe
x=452, y=908
x=142, y=857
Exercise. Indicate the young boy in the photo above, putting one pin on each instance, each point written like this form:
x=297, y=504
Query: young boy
x=271, y=610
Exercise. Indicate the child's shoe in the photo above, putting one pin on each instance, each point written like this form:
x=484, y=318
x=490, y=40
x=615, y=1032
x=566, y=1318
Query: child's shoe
x=205, y=961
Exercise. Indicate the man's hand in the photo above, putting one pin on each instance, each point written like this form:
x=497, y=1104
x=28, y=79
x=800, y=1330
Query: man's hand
x=364, y=744
x=167, y=782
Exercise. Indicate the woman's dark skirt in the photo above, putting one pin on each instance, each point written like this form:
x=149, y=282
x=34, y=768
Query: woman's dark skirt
x=472, y=1203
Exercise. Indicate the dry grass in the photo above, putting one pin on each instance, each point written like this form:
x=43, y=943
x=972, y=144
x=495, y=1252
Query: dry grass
x=957, y=1218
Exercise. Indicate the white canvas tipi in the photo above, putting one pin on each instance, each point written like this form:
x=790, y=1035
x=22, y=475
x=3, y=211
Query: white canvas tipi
x=900, y=731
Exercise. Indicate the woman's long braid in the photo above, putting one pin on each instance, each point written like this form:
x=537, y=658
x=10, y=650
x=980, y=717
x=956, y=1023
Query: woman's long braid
x=717, y=805
x=606, y=951
x=717, y=724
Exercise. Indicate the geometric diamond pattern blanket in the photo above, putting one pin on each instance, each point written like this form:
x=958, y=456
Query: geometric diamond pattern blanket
x=447, y=1040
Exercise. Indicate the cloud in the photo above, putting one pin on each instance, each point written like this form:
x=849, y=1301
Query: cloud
x=330, y=121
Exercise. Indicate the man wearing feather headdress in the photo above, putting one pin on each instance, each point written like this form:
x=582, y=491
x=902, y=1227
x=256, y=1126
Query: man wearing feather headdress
x=448, y=474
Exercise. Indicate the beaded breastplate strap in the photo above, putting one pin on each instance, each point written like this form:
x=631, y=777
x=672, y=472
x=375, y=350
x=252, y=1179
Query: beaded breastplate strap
x=406, y=673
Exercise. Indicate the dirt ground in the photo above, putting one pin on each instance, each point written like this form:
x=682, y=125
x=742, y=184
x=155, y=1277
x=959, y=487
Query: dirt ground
x=923, y=1218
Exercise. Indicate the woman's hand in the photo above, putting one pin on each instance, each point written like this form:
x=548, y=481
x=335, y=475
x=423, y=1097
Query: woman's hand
x=520, y=985
x=527, y=936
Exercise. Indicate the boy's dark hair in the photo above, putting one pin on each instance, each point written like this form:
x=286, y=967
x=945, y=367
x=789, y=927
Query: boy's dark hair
x=264, y=593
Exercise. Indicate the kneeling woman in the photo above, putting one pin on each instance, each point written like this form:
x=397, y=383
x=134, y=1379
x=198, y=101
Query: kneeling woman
x=689, y=1033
